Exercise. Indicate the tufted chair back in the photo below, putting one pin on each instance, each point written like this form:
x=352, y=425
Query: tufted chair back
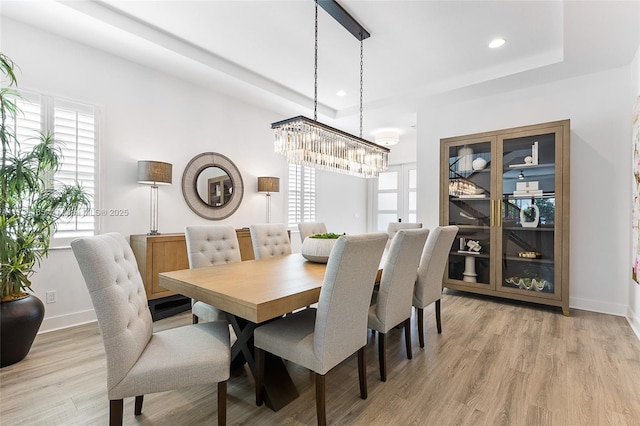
x=211, y=245
x=311, y=228
x=115, y=286
x=393, y=302
x=341, y=319
x=394, y=227
x=270, y=240
x=428, y=287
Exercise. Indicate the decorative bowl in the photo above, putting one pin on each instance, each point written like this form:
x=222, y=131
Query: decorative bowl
x=317, y=249
x=530, y=283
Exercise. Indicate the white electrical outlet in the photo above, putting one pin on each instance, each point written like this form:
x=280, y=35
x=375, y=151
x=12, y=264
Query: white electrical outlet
x=51, y=296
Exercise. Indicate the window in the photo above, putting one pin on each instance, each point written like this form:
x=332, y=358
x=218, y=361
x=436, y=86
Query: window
x=395, y=196
x=74, y=126
x=301, y=195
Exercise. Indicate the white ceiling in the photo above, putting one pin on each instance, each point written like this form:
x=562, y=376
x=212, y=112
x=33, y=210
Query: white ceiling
x=262, y=51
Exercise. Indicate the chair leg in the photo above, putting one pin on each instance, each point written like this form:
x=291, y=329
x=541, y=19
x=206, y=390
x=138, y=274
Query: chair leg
x=259, y=359
x=138, y=407
x=438, y=321
x=381, y=356
x=222, y=403
x=194, y=319
x=320, y=400
x=407, y=337
x=115, y=412
x=362, y=371
x=421, y=326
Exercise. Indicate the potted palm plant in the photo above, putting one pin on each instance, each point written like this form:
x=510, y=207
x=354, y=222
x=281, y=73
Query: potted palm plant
x=30, y=207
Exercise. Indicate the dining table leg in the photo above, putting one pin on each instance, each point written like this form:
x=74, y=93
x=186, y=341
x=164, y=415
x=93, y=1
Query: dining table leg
x=278, y=385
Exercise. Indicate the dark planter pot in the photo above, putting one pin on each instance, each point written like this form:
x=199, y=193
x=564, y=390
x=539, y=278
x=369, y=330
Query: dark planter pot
x=19, y=323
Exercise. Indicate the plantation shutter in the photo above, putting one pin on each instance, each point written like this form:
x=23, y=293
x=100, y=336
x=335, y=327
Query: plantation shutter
x=28, y=125
x=301, y=195
x=75, y=131
x=74, y=128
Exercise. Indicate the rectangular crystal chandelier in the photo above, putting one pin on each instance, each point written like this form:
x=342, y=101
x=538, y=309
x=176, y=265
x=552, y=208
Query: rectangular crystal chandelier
x=310, y=143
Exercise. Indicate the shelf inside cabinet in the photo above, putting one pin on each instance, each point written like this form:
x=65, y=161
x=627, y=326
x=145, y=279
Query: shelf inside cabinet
x=528, y=260
x=521, y=228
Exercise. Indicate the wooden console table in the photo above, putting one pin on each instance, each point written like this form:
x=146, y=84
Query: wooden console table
x=168, y=252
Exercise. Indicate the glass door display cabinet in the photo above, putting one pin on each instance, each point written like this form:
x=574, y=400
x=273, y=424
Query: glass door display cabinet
x=508, y=193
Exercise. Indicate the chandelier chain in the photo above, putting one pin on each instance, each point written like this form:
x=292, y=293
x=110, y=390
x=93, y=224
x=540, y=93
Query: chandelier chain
x=361, y=84
x=315, y=71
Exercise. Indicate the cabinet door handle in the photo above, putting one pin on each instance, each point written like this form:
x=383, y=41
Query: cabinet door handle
x=499, y=212
x=492, y=212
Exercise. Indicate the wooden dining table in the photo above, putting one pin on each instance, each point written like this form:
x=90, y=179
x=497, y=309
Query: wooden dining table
x=250, y=293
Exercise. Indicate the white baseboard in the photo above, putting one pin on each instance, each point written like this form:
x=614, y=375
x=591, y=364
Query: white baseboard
x=616, y=309
x=68, y=320
x=634, y=321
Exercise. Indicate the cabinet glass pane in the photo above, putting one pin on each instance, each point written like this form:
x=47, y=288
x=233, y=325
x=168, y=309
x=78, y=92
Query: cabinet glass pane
x=469, y=259
x=528, y=213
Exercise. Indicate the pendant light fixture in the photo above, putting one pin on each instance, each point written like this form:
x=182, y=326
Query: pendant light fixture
x=313, y=144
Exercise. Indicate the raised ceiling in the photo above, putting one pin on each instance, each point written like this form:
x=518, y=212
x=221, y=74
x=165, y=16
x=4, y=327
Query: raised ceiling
x=262, y=51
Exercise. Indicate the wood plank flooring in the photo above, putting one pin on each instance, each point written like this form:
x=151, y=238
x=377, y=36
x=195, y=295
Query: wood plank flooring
x=496, y=363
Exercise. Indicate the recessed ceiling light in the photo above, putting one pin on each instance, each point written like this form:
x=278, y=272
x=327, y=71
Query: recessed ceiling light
x=341, y=93
x=497, y=42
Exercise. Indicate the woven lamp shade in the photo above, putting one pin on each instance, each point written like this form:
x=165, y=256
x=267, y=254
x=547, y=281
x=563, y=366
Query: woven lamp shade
x=154, y=172
x=268, y=184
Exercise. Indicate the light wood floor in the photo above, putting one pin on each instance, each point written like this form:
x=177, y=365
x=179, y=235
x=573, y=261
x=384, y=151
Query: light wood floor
x=495, y=363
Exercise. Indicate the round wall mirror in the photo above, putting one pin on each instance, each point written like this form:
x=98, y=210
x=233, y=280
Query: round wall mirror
x=212, y=186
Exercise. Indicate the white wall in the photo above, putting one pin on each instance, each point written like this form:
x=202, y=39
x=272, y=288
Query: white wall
x=598, y=107
x=148, y=115
x=633, y=313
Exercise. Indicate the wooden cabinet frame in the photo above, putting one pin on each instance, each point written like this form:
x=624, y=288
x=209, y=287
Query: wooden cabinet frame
x=481, y=198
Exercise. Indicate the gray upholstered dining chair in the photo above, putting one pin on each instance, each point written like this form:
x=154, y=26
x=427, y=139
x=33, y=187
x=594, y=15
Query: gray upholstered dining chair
x=428, y=288
x=319, y=339
x=210, y=245
x=311, y=228
x=394, y=227
x=140, y=361
x=391, y=304
x=269, y=240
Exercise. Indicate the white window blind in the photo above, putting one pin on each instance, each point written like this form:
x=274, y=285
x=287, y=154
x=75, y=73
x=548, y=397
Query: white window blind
x=301, y=195
x=74, y=127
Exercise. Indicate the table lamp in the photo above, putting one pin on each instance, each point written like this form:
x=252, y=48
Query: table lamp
x=268, y=184
x=154, y=173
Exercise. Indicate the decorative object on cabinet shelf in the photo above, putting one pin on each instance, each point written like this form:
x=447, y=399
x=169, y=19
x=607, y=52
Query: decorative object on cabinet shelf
x=527, y=189
x=268, y=184
x=529, y=254
x=310, y=143
x=529, y=160
x=474, y=247
x=479, y=163
x=154, y=173
x=465, y=159
x=530, y=283
x=530, y=216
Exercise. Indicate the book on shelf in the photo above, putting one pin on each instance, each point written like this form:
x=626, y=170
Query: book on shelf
x=528, y=193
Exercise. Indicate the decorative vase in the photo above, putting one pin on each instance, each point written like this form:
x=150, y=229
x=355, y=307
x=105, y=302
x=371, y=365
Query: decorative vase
x=528, y=221
x=19, y=323
x=479, y=163
x=469, y=275
x=317, y=249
